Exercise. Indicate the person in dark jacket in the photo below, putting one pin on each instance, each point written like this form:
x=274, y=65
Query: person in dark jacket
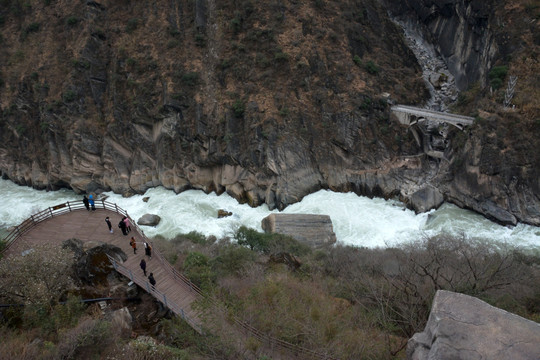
x=122, y=226
x=143, y=266
x=152, y=280
x=108, y=221
x=86, y=203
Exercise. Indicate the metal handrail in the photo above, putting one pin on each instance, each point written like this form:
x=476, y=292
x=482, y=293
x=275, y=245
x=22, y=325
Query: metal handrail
x=142, y=282
x=57, y=210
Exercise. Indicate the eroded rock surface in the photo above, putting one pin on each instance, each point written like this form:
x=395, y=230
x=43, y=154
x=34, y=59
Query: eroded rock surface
x=464, y=327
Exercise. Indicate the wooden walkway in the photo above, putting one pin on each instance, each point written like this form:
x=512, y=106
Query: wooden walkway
x=89, y=226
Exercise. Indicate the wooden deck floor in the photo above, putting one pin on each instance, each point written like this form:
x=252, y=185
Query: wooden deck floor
x=90, y=226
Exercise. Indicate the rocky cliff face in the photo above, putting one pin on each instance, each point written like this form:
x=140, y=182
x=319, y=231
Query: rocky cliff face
x=267, y=102
x=492, y=168
x=461, y=32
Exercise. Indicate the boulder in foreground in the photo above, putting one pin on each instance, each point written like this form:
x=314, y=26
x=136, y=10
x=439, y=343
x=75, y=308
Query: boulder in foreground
x=313, y=230
x=149, y=220
x=464, y=327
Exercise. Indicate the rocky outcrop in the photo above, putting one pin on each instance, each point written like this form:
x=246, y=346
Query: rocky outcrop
x=460, y=31
x=464, y=327
x=92, y=265
x=149, y=220
x=223, y=213
x=313, y=230
x=425, y=199
x=122, y=321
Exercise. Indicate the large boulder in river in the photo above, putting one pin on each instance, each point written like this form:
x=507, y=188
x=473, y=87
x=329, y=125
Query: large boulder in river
x=313, y=230
x=149, y=220
x=464, y=327
x=426, y=199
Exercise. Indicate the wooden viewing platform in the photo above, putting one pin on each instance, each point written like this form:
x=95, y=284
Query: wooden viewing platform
x=71, y=220
x=47, y=227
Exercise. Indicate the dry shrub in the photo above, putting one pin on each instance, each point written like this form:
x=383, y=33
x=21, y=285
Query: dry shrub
x=41, y=276
x=23, y=346
x=398, y=285
x=146, y=348
x=89, y=335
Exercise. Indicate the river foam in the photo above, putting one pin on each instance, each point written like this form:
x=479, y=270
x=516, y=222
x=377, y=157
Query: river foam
x=357, y=220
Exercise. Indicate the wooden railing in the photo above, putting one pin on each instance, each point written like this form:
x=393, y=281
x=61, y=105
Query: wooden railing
x=249, y=330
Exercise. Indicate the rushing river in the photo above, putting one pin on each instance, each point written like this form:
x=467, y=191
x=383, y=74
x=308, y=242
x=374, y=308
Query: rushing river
x=357, y=220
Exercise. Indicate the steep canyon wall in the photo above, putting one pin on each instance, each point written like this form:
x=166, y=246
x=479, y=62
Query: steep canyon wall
x=265, y=102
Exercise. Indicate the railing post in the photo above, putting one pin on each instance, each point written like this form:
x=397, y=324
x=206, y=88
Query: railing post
x=50, y=211
x=69, y=206
x=103, y=203
x=182, y=313
x=165, y=301
x=131, y=275
x=116, y=207
x=148, y=287
x=33, y=220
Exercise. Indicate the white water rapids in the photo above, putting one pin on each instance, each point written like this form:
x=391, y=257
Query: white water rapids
x=357, y=220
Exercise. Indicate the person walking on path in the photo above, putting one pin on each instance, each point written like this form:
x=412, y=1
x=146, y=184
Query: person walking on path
x=133, y=244
x=148, y=249
x=108, y=221
x=152, y=280
x=143, y=266
x=86, y=203
x=128, y=224
x=91, y=201
x=122, y=226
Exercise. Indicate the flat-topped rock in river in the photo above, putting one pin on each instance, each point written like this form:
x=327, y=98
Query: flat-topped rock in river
x=313, y=230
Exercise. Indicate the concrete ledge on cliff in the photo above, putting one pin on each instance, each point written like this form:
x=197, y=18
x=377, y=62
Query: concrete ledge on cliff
x=313, y=230
x=464, y=327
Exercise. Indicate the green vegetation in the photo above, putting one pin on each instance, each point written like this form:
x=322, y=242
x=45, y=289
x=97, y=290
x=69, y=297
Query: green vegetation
x=132, y=25
x=266, y=243
x=236, y=25
x=69, y=96
x=72, y=21
x=238, y=108
x=357, y=60
x=372, y=68
x=200, y=40
x=280, y=57
x=173, y=43
x=32, y=28
x=131, y=62
x=80, y=63
x=190, y=78
x=198, y=269
x=497, y=76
